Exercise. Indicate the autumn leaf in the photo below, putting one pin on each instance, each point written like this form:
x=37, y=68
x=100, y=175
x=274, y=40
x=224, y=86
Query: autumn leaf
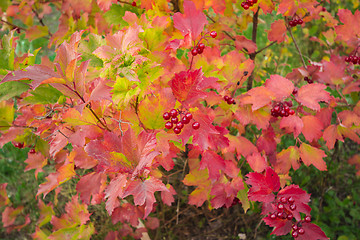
x=350, y=29
x=280, y=86
x=310, y=94
x=312, y=129
x=115, y=189
x=292, y=124
x=286, y=159
x=277, y=31
x=90, y=185
x=282, y=226
x=311, y=155
x=257, y=162
x=35, y=161
x=258, y=97
x=312, y=231
x=213, y=162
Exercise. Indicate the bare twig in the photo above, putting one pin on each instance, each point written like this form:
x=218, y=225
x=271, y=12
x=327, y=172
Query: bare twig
x=253, y=55
x=296, y=45
x=262, y=49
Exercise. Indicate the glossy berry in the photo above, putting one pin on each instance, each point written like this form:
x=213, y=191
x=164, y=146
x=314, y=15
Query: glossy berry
x=291, y=112
x=283, y=200
x=246, y=6
x=196, y=125
x=284, y=215
x=307, y=219
x=166, y=116
x=301, y=231
x=174, y=120
x=133, y=4
x=292, y=207
x=213, y=34
x=194, y=52
x=179, y=125
x=185, y=120
x=177, y=130
x=19, y=145
x=173, y=112
x=347, y=59
x=32, y=151
x=168, y=125
x=199, y=50
x=273, y=216
x=189, y=116
x=226, y=98
x=289, y=216
x=295, y=227
x=300, y=21
x=306, y=79
x=231, y=101
x=279, y=214
x=280, y=207
x=292, y=23
x=291, y=200
x=295, y=91
x=294, y=234
x=201, y=46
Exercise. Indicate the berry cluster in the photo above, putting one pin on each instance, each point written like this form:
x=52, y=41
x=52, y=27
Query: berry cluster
x=19, y=145
x=352, y=58
x=229, y=100
x=199, y=48
x=248, y=3
x=295, y=21
x=283, y=212
x=282, y=109
x=297, y=229
x=172, y=115
x=308, y=80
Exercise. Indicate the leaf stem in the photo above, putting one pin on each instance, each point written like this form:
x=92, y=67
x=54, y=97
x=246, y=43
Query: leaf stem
x=253, y=55
x=296, y=45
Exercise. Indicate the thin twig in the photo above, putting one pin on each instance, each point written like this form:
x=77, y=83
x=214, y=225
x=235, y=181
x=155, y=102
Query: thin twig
x=13, y=25
x=296, y=46
x=253, y=55
x=262, y=49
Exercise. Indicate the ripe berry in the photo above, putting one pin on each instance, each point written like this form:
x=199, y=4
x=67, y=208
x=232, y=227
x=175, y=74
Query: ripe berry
x=284, y=215
x=292, y=23
x=289, y=216
x=279, y=214
x=226, y=98
x=19, y=145
x=295, y=91
x=283, y=200
x=289, y=103
x=300, y=21
x=189, y=116
x=177, y=130
x=194, y=51
x=294, y=234
x=280, y=207
x=166, y=116
x=174, y=120
x=213, y=34
x=231, y=101
x=246, y=6
x=295, y=227
x=255, y=1
x=307, y=219
x=201, y=46
x=168, y=125
x=179, y=125
x=133, y=4
x=306, y=79
x=32, y=151
x=173, y=112
x=199, y=50
x=291, y=200
x=185, y=120
x=292, y=207
x=301, y=231
x=347, y=59
x=273, y=216
x=196, y=125
x=291, y=112
x=355, y=60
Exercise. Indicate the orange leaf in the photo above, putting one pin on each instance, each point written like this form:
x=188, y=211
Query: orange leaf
x=277, y=31
x=310, y=155
x=312, y=129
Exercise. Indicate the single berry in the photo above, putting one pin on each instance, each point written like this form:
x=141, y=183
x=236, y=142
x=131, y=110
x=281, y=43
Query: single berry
x=242, y=4
x=189, y=116
x=166, y=116
x=310, y=81
x=279, y=214
x=201, y=46
x=179, y=125
x=292, y=23
x=355, y=60
x=199, y=50
x=246, y=6
x=226, y=98
x=32, y=151
x=307, y=219
x=168, y=125
x=250, y=1
x=194, y=52
x=250, y=4
x=295, y=227
x=231, y=101
x=351, y=58
x=133, y=4
x=300, y=21
x=292, y=207
x=291, y=200
x=185, y=120
x=306, y=79
x=213, y=34
x=301, y=231
x=284, y=215
x=277, y=108
x=294, y=234
x=173, y=112
x=295, y=91
x=280, y=207
x=289, y=216
x=323, y=9
x=196, y=125
x=286, y=108
x=255, y=1
x=177, y=130
x=283, y=200
x=289, y=103
x=347, y=59
x=273, y=216
x=282, y=113
x=291, y=112
x=19, y=145
x=174, y=120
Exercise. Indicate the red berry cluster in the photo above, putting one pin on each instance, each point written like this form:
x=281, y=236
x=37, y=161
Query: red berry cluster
x=308, y=80
x=199, y=48
x=352, y=58
x=19, y=145
x=248, y=3
x=283, y=212
x=297, y=229
x=295, y=21
x=282, y=109
x=133, y=4
x=32, y=151
x=172, y=115
x=229, y=100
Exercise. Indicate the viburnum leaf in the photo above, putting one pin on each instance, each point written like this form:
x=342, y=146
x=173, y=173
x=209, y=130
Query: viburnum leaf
x=213, y=162
x=263, y=186
x=9, y=215
x=333, y=72
x=35, y=161
x=312, y=129
x=90, y=185
x=115, y=189
x=242, y=42
x=350, y=31
x=282, y=226
x=286, y=159
x=292, y=124
x=301, y=199
x=257, y=162
x=241, y=145
x=258, y=97
x=104, y=5
x=312, y=232
x=280, y=86
x=266, y=142
x=311, y=155
x=260, y=117
x=127, y=212
x=224, y=193
x=310, y=94
x=277, y=31
x=4, y=199
x=191, y=22
x=167, y=197
x=143, y=192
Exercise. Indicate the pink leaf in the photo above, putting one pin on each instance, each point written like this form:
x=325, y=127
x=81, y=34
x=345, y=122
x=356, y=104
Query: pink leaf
x=310, y=94
x=280, y=86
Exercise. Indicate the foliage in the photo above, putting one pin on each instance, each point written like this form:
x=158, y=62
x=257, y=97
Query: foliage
x=127, y=110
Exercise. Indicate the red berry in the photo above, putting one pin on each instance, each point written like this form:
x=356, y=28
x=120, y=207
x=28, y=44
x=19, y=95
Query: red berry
x=282, y=113
x=301, y=231
x=246, y=6
x=32, y=151
x=286, y=109
x=306, y=79
x=250, y=1
x=289, y=103
x=291, y=200
x=196, y=125
x=283, y=200
x=347, y=59
x=189, y=116
x=292, y=23
x=166, y=116
x=185, y=120
x=292, y=207
x=279, y=214
x=199, y=50
x=133, y=4
x=355, y=59
x=307, y=219
x=295, y=227
x=273, y=216
x=174, y=120
x=323, y=9
x=180, y=125
x=194, y=52
x=280, y=207
x=19, y=145
x=201, y=46
x=294, y=234
x=310, y=81
x=177, y=130
x=226, y=98
x=231, y=101
x=213, y=34
x=289, y=216
x=291, y=112
x=168, y=125
x=242, y=4
x=250, y=4
x=173, y=112
x=255, y=1
x=284, y=215
x=300, y=21
x=351, y=57
x=295, y=91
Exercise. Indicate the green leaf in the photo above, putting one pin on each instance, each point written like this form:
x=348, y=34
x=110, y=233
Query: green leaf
x=4, y=4
x=7, y=53
x=115, y=15
x=44, y=94
x=12, y=89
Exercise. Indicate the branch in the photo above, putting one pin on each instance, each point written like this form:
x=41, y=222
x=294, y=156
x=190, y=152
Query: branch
x=253, y=55
x=13, y=25
x=40, y=20
x=259, y=51
x=296, y=45
x=227, y=33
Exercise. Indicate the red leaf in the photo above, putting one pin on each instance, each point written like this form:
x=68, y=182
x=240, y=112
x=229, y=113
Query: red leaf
x=191, y=22
x=277, y=31
x=241, y=145
x=311, y=155
x=280, y=86
x=263, y=186
x=266, y=142
x=143, y=192
x=257, y=162
x=282, y=226
x=242, y=42
x=105, y=5
x=127, y=212
x=115, y=189
x=89, y=185
x=9, y=215
x=258, y=97
x=292, y=124
x=286, y=159
x=310, y=94
x=312, y=232
x=312, y=129
x=213, y=162
x=351, y=28
x=354, y=160
x=167, y=197
x=35, y=161
x=49, y=185
x=152, y=223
